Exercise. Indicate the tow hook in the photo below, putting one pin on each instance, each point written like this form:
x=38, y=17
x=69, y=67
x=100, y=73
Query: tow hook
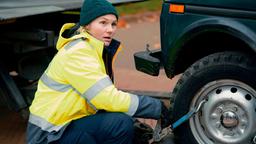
x=160, y=133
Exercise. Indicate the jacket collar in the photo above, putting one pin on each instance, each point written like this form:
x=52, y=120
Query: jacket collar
x=95, y=43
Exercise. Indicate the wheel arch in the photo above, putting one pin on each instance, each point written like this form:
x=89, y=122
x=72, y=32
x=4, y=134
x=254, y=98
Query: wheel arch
x=208, y=36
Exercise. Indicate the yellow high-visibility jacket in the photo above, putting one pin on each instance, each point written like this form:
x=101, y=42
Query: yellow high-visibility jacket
x=76, y=85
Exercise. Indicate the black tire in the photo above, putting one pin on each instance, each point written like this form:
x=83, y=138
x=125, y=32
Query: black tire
x=224, y=67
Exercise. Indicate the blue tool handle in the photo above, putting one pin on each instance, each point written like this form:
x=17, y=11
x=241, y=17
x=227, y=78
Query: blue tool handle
x=183, y=119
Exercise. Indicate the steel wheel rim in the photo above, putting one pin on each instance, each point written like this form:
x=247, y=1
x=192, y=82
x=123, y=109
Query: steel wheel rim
x=208, y=126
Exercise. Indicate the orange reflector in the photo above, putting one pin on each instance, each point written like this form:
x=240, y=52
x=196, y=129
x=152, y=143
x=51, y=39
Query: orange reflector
x=177, y=8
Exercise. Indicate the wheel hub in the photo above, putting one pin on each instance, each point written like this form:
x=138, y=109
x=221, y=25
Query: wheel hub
x=229, y=119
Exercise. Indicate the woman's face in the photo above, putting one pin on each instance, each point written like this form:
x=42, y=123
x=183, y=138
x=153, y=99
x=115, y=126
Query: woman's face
x=103, y=28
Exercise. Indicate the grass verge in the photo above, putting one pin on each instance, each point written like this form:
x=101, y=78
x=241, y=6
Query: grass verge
x=138, y=7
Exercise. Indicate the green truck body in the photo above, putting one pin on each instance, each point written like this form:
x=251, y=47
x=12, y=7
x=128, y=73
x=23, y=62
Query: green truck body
x=212, y=43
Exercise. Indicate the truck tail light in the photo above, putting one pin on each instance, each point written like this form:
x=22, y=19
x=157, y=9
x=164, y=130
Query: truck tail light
x=176, y=8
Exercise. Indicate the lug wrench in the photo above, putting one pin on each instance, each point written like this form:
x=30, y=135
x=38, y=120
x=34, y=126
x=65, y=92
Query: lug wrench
x=160, y=133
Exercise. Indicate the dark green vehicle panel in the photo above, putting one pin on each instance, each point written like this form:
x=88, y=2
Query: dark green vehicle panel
x=177, y=29
x=233, y=4
x=212, y=44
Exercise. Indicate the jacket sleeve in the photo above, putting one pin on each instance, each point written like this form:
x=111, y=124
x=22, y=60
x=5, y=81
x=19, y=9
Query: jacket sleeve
x=148, y=108
x=86, y=73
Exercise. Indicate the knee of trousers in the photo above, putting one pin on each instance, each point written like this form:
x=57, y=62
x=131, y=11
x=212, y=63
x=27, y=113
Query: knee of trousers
x=123, y=123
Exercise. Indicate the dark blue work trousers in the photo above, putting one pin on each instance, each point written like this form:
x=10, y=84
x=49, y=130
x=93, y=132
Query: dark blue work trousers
x=101, y=128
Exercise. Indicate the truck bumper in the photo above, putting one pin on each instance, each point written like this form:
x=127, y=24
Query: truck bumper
x=148, y=62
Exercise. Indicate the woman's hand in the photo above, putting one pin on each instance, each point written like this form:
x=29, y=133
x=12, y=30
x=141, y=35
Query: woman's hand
x=150, y=122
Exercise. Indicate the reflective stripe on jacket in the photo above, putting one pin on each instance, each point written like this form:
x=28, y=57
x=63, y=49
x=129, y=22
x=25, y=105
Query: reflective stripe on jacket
x=76, y=84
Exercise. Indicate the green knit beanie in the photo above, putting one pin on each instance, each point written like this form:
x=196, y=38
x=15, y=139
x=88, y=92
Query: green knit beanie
x=93, y=9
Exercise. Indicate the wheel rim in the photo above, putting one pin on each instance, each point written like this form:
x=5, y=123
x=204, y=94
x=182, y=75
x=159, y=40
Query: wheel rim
x=229, y=114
